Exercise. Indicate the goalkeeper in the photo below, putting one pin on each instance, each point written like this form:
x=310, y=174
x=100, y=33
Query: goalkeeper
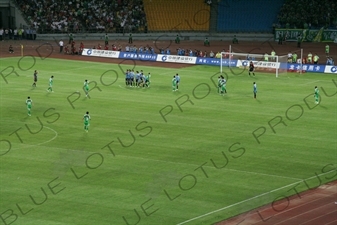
x=251, y=68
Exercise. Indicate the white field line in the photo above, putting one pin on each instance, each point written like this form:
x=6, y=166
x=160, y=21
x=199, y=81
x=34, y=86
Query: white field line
x=249, y=199
x=66, y=70
x=183, y=70
x=79, y=68
x=45, y=142
x=265, y=174
x=311, y=82
x=56, y=134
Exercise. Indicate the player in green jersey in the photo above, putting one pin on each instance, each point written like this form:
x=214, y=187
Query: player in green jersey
x=219, y=84
x=29, y=103
x=223, y=86
x=147, y=80
x=86, y=119
x=86, y=88
x=174, y=83
x=316, y=95
x=50, y=88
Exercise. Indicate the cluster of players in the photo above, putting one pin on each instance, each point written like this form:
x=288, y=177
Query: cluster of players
x=137, y=79
x=29, y=101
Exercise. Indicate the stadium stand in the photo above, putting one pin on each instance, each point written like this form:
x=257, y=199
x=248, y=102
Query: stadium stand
x=182, y=15
x=63, y=16
x=308, y=14
x=247, y=16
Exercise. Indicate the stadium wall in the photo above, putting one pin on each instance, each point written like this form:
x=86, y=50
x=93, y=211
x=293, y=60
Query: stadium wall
x=191, y=60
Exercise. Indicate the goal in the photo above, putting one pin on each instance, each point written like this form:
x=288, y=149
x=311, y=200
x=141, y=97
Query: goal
x=262, y=62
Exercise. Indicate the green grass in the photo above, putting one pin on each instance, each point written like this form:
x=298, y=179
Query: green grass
x=163, y=170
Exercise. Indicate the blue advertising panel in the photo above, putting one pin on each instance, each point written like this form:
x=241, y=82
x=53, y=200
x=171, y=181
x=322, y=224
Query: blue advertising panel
x=307, y=67
x=138, y=56
x=215, y=61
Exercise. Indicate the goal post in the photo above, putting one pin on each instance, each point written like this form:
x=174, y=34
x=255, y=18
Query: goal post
x=262, y=62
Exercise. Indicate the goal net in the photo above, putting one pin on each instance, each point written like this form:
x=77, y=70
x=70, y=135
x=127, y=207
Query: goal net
x=262, y=62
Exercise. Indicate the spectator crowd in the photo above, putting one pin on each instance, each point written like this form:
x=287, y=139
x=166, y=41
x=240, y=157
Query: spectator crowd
x=308, y=14
x=74, y=16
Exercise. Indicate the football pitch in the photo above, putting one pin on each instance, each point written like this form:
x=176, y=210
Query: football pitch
x=153, y=156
